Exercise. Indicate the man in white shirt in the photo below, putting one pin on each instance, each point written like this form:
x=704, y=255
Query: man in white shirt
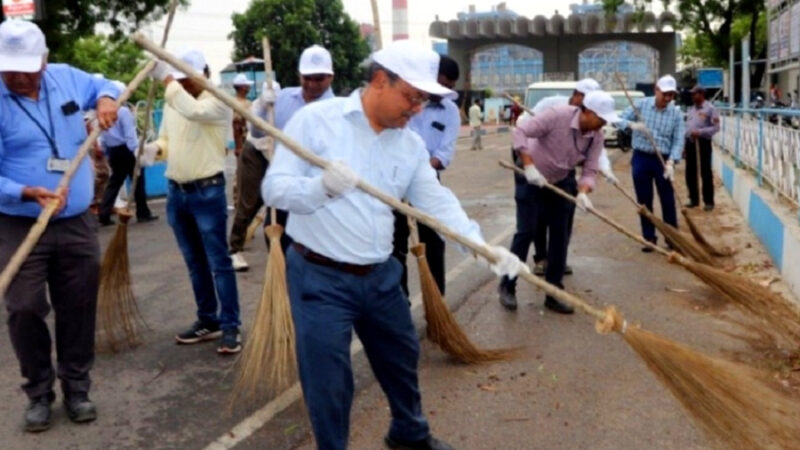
x=475, y=121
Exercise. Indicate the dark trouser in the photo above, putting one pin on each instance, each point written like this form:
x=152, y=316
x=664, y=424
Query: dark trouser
x=705, y=171
x=434, y=250
x=123, y=162
x=65, y=264
x=199, y=219
x=647, y=169
x=327, y=304
x=534, y=206
x=250, y=170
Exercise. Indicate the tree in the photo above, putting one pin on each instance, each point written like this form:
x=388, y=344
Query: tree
x=291, y=26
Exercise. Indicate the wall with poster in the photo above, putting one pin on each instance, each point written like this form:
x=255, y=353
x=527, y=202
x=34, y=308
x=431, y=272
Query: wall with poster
x=785, y=21
x=774, y=40
x=794, y=44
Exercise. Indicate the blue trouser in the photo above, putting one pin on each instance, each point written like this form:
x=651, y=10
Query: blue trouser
x=646, y=170
x=327, y=304
x=199, y=220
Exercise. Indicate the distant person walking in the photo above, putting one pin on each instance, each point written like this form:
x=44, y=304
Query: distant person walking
x=702, y=122
x=475, y=121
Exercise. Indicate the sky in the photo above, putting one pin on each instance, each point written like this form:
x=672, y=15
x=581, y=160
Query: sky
x=205, y=25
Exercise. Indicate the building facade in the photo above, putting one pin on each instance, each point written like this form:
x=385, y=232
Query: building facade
x=783, y=53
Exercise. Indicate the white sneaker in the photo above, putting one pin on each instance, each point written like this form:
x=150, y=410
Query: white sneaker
x=239, y=263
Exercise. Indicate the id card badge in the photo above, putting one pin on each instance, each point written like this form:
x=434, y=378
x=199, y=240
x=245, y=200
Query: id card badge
x=57, y=165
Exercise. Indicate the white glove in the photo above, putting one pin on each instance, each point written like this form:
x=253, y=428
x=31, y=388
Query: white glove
x=161, y=70
x=582, y=201
x=338, y=179
x=609, y=174
x=508, y=264
x=637, y=126
x=268, y=96
x=149, y=154
x=533, y=176
x=669, y=171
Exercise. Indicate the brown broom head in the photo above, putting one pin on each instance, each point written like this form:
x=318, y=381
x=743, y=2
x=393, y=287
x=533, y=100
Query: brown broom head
x=119, y=322
x=681, y=242
x=773, y=312
x=268, y=363
x=442, y=329
x=253, y=227
x=701, y=239
x=733, y=404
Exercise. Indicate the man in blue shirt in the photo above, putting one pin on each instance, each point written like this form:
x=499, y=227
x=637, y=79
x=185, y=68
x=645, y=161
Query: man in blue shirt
x=120, y=144
x=664, y=122
x=316, y=75
x=339, y=269
x=41, y=129
x=438, y=125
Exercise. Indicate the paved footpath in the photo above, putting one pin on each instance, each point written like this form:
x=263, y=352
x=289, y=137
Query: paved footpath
x=570, y=388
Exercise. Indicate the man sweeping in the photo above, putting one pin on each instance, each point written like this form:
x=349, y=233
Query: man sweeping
x=550, y=146
x=438, y=125
x=315, y=70
x=702, y=123
x=664, y=122
x=340, y=271
x=41, y=129
x=192, y=135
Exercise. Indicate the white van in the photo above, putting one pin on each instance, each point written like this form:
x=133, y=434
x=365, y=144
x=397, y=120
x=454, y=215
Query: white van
x=544, y=89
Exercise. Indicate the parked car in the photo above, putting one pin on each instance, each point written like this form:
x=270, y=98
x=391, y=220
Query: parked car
x=612, y=135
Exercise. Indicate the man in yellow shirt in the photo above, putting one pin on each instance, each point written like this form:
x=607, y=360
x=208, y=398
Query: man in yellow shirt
x=192, y=137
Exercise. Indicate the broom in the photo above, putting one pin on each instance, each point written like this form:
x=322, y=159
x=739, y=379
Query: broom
x=26, y=246
x=775, y=313
x=253, y=227
x=269, y=350
x=718, y=395
x=118, y=318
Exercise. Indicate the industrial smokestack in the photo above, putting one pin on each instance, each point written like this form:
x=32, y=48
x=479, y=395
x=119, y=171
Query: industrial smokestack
x=399, y=19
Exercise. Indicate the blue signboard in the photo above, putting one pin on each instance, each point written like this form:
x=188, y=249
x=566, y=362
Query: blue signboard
x=710, y=78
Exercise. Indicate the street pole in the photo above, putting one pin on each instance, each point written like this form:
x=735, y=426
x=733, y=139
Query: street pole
x=746, y=71
x=732, y=78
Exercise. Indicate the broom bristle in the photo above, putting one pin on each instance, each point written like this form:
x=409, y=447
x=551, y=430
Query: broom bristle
x=731, y=402
x=442, y=329
x=253, y=227
x=119, y=321
x=684, y=244
x=701, y=239
x=268, y=362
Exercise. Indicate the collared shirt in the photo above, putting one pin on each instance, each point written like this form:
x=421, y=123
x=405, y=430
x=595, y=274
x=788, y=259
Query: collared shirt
x=438, y=125
x=558, y=145
x=475, y=117
x=25, y=150
x=666, y=125
x=704, y=119
x=123, y=132
x=355, y=228
x=289, y=101
x=193, y=134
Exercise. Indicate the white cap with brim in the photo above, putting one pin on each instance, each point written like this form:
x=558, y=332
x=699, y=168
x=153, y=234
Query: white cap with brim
x=415, y=64
x=667, y=84
x=315, y=60
x=194, y=58
x=602, y=104
x=587, y=85
x=241, y=80
x=22, y=47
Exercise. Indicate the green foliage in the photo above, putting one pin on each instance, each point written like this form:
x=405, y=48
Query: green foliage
x=291, y=26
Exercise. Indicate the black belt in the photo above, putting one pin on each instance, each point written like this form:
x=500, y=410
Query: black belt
x=202, y=183
x=321, y=260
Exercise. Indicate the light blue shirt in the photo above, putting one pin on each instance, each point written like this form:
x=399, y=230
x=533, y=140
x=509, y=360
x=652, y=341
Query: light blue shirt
x=355, y=228
x=123, y=132
x=24, y=149
x=666, y=125
x=438, y=125
x=289, y=101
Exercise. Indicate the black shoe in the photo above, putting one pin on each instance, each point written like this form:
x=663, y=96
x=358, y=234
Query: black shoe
x=708, y=208
x=647, y=248
x=37, y=415
x=691, y=205
x=507, y=298
x=106, y=221
x=429, y=443
x=79, y=408
x=540, y=268
x=150, y=218
x=567, y=270
x=231, y=342
x=558, y=307
x=199, y=332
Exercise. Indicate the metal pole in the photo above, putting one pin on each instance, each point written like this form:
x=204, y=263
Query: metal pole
x=746, y=71
x=732, y=78
x=738, y=139
x=760, y=175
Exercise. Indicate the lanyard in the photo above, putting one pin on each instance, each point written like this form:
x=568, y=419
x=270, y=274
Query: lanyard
x=575, y=139
x=49, y=136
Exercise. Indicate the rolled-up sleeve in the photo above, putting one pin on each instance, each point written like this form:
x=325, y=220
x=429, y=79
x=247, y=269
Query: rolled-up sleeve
x=709, y=131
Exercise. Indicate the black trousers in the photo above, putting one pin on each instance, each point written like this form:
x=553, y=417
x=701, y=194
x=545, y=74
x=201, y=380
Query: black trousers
x=706, y=173
x=535, y=206
x=64, y=266
x=123, y=162
x=434, y=250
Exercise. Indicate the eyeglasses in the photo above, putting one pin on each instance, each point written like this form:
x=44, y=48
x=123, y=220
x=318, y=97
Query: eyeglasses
x=315, y=78
x=421, y=99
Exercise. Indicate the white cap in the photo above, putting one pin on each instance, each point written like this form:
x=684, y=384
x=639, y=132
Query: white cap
x=22, y=46
x=193, y=58
x=241, y=80
x=119, y=85
x=415, y=64
x=667, y=84
x=315, y=60
x=602, y=104
x=587, y=85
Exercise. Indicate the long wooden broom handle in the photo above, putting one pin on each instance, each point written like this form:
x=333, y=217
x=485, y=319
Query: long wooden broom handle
x=478, y=249
x=376, y=23
x=527, y=110
x=273, y=213
x=36, y=231
x=148, y=111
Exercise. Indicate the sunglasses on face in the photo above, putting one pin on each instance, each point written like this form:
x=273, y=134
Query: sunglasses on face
x=315, y=78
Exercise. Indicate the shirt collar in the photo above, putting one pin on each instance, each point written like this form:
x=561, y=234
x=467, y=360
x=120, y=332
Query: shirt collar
x=575, y=123
x=298, y=94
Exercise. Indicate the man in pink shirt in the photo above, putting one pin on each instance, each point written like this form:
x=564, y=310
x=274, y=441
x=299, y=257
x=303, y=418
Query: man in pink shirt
x=551, y=145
